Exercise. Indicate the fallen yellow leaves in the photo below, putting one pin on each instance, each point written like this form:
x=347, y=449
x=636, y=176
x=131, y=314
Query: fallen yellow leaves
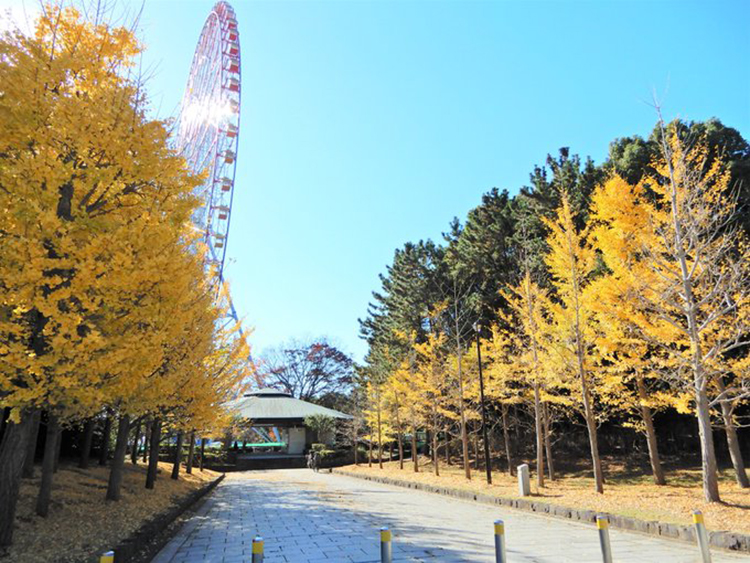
x=82, y=523
x=625, y=494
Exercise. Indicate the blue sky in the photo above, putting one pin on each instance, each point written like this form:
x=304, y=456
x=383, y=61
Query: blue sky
x=368, y=124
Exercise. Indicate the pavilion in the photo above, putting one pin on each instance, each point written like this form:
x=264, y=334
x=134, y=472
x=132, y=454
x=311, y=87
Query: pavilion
x=275, y=423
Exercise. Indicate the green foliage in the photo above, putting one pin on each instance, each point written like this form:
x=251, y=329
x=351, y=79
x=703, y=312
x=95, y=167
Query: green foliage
x=506, y=241
x=505, y=236
x=320, y=423
x=322, y=450
x=482, y=251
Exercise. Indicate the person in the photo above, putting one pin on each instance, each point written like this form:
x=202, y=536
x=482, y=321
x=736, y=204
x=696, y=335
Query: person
x=315, y=461
x=310, y=460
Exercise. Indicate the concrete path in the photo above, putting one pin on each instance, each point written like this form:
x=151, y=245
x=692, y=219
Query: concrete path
x=307, y=517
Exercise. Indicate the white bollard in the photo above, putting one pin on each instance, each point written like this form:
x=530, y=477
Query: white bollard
x=524, y=486
x=602, y=522
x=386, y=548
x=700, y=531
x=500, y=556
x=257, y=549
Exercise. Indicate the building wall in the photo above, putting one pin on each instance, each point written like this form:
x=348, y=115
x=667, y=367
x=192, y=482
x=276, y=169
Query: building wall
x=296, y=440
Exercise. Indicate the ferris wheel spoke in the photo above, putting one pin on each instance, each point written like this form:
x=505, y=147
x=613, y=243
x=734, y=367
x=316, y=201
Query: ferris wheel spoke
x=209, y=126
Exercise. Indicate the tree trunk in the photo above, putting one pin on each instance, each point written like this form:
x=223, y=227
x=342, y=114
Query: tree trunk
x=464, y=434
x=48, y=465
x=690, y=308
x=734, y=445
x=104, y=448
x=539, y=437
x=4, y=416
x=177, y=457
x=653, y=450
x=191, y=452
x=12, y=456
x=477, y=454
x=28, y=464
x=369, y=452
x=203, y=452
x=86, y=438
x=136, y=441
x=708, y=455
x=147, y=440
x=400, y=450
x=593, y=443
x=118, y=461
x=414, y=453
x=58, y=447
x=435, y=457
x=506, y=438
x=548, y=441
x=447, y=447
x=380, y=439
x=355, y=450
x=153, y=457
x=228, y=441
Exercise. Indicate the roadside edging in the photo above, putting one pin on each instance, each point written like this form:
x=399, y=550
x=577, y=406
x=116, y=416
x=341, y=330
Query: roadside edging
x=150, y=538
x=730, y=541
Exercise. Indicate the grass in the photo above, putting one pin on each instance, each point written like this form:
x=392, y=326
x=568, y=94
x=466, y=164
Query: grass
x=625, y=492
x=81, y=522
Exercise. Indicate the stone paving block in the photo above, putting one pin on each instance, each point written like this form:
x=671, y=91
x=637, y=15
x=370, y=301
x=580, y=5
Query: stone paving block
x=299, y=524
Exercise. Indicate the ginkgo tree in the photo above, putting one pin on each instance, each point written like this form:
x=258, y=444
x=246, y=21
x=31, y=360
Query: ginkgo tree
x=104, y=301
x=691, y=302
x=395, y=409
x=620, y=229
x=431, y=375
x=523, y=339
x=376, y=420
x=571, y=261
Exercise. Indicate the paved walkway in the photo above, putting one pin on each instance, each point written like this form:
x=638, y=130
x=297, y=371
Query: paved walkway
x=306, y=517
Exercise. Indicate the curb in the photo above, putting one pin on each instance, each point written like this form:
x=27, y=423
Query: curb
x=149, y=538
x=723, y=540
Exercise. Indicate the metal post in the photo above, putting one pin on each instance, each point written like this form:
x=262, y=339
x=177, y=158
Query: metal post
x=386, y=549
x=700, y=532
x=500, y=556
x=257, y=549
x=603, y=524
x=487, y=465
x=108, y=557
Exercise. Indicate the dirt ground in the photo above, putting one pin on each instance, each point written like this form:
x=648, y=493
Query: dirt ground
x=81, y=522
x=624, y=493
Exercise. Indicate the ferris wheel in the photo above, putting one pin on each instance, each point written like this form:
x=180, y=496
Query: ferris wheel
x=209, y=126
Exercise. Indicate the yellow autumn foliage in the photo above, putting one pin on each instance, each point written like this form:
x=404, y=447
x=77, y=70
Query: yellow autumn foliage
x=104, y=299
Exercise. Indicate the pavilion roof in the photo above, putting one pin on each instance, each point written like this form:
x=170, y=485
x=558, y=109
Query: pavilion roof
x=271, y=404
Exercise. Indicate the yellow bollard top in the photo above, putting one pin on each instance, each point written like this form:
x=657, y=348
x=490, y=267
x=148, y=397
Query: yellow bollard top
x=108, y=557
x=385, y=534
x=258, y=545
x=602, y=522
x=697, y=517
x=499, y=528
